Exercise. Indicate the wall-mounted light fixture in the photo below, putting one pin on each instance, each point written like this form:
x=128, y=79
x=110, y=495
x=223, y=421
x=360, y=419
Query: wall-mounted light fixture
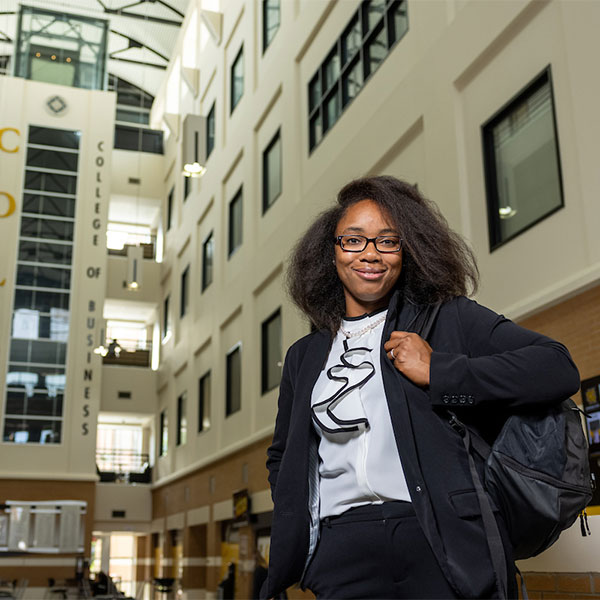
x=193, y=156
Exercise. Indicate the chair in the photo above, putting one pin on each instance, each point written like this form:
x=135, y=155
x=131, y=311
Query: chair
x=56, y=591
x=20, y=589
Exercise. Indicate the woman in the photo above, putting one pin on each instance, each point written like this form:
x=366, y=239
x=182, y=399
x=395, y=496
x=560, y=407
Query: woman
x=372, y=492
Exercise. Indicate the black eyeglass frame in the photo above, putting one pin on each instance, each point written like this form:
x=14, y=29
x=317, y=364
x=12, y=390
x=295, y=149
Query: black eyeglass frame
x=338, y=242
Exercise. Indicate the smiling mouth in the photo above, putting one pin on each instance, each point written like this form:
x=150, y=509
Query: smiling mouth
x=370, y=275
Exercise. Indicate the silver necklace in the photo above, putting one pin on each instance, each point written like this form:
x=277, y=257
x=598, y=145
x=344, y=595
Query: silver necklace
x=369, y=327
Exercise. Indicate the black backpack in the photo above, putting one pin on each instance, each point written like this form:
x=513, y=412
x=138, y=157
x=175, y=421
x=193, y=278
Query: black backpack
x=537, y=475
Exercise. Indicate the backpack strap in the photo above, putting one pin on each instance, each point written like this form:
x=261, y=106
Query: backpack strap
x=424, y=320
x=492, y=532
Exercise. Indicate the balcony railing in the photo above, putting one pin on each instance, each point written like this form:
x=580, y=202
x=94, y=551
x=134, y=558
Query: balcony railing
x=149, y=249
x=123, y=466
x=128, y=353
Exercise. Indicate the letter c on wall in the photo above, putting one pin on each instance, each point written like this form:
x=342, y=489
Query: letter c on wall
x=2, y=146
x=12, y=205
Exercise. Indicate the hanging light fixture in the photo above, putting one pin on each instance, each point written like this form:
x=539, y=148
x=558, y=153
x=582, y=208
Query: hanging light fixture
x=194, y=146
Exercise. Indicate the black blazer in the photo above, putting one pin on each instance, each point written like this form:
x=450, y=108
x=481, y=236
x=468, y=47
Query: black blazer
x=482, y=366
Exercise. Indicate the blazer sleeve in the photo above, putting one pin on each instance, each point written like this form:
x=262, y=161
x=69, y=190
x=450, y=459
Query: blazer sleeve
x=282, y=423
x=503, y=363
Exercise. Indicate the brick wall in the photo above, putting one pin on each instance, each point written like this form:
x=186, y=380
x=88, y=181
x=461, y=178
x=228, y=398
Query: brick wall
x=575, y=323
x=564, y=586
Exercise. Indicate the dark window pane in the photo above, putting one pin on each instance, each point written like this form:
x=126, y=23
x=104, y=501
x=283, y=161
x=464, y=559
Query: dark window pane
x=166, y=317
x=234, y=382
x=204, y=402
x=375, y=51
x=331, y=68
x=47, y=229
x=128, y=138
x=523, y=177
x=332, y=110
x=398, y=21
x=41, y=404
x=43, y=252
x=52, y=159
x=235, y=222
x=208, y=251
x=170, y=208
x=272, y=172
x=16, y=397
x=184, y=292
x=51, y=182
x=47, y=352
x=271, y=17
x=49, y=205
x=352, y=82
x=372, y=13
x=187, y=187
x=37, y=276
x=316, y=130
x=54, y=137
x=163, y=439
x=351, y=40
x=19, y=351
x=271, y=352
x=39, y=431
x=237, y=79
x=210, y=131
x=42, y=301
x=152, y=141
x=133, y=116
x=314, y=92
x=182, y=419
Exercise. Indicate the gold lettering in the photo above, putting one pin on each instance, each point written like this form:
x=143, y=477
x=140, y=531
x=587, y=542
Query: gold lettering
x=2, y=146
x=12, y=205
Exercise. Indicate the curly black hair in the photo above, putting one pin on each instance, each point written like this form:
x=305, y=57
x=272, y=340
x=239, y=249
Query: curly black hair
x=437, y=264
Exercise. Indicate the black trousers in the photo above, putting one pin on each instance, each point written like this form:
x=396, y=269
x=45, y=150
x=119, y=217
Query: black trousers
x=375, y=551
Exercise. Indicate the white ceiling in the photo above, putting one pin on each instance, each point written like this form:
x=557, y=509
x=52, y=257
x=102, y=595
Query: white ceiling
x=152, y=23
x=129, y=310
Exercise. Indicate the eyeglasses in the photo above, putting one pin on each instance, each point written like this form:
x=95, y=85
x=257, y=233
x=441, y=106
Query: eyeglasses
x=357, y=243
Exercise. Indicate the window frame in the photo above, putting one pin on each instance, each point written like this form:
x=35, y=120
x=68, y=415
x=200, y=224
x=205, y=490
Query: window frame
x=237, y=197
x=163, y=448
x=209, y=239
x=184, y=291
x=170, y=199
x=266, y=205
x=229, y=409
x=167, y=324
x=317, y=118
x=233, y=102
x=187, y=187
x=210, y=118
x=203, y=402
x=181, y=417
x=264, y=350
x=489, y=164
x=265, y=41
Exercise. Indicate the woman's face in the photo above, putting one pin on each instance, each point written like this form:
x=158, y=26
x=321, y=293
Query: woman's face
x=369, y=276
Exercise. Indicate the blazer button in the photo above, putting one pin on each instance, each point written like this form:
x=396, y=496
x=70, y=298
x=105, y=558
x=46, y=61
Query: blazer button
x=418, y=488
x=462, y=399
x=470, y=399
x=445, y=398
x=453, y=399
